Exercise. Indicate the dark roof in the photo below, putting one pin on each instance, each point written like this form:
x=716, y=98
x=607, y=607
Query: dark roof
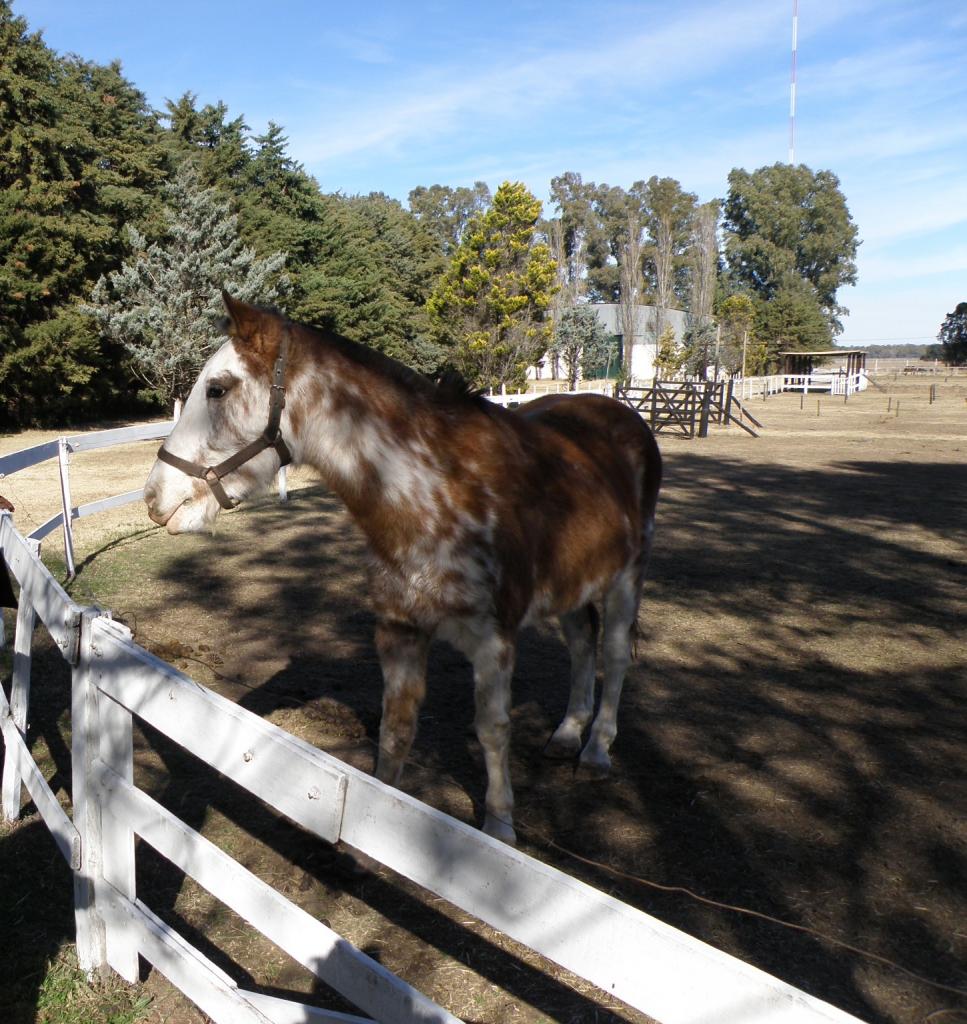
x=828, y=352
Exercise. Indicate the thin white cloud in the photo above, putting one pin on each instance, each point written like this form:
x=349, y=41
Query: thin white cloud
x=882, y=270
x=641, y=65
x=366, y=49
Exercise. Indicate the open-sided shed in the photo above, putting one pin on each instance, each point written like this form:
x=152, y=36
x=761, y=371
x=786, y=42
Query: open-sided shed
x=803, y=363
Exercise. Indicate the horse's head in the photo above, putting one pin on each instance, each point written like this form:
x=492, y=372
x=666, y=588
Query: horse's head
x=227, y=442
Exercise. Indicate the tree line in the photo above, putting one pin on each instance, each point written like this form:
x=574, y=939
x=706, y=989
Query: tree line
x=119, y=224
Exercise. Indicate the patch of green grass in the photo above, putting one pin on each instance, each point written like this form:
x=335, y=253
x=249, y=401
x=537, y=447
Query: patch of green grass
x=67, y=997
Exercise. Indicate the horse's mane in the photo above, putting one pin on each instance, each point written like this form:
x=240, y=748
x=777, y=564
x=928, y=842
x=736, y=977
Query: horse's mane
x=452, y=386
x=448, y=387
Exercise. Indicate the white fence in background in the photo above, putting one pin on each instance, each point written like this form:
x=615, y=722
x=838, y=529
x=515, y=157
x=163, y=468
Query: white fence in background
x=511, y=398
x=746, y=388
x=61, y=449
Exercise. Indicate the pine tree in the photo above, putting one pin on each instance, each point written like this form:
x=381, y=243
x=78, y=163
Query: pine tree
x=489, y=307
x=163, y=305
x=792, y=320
x=582, y=344
x=953, y=336
x=79, y=155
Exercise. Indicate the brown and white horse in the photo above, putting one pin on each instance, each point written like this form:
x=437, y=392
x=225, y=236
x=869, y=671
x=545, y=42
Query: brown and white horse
x=479, y=519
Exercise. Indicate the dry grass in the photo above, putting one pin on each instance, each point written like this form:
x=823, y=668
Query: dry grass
x=792, y=741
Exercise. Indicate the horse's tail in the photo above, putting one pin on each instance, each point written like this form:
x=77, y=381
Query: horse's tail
x=650, y=486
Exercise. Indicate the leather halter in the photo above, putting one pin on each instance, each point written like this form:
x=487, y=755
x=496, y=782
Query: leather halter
x=271, y=437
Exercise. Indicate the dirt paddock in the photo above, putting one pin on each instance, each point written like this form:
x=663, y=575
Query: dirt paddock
x=792, y=741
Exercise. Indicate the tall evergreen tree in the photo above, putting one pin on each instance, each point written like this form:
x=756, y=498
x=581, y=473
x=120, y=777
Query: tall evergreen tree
x=372, y=274
x=791, y=320
x=953, y=336
x=489, y=307
x=163, y=305
x=79, y=154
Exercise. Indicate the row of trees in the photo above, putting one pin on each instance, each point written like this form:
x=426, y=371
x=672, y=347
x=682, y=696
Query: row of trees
x=118, y=225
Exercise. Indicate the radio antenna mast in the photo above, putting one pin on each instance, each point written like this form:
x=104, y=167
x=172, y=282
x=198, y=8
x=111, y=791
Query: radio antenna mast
x=792, y=84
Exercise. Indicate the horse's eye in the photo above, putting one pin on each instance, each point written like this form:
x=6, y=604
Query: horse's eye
x=215, y=391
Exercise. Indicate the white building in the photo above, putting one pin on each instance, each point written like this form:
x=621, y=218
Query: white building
x=644, y=343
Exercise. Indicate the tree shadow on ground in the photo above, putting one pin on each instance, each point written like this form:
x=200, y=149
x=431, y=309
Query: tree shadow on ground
x=792, y=740
x=36, y=896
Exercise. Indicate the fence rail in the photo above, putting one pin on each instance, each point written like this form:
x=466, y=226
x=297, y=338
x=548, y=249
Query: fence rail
x=512, y=398
x=649, y=965
x=61, y=449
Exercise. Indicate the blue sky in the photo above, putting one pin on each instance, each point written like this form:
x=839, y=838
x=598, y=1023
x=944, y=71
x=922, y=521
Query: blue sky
x=387, y=96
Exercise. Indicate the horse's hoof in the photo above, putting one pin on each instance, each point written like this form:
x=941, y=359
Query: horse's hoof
x=497, y=828
x=589, y=770
x=561, y=750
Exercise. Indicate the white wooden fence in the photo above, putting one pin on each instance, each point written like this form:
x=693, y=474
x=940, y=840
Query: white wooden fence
x=62, y=448
x=746, y=388
x=508, y=398
x=663, y=972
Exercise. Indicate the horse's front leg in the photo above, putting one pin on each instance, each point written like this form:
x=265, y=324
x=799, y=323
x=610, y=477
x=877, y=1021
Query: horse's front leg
x=402, y=653
x=493, y=666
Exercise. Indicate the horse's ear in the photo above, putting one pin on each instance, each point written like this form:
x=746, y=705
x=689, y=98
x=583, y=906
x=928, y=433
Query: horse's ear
x=244, y=322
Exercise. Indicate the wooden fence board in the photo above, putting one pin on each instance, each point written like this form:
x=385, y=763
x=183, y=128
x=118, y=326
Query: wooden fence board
x=309, y=942
x=19, y=697
x=120, y=435
x=59, y=614
x=286, y=1011
x=205, y=984
x=61, y=828
x=80, y=511
x=648, y=964
x=27, y=457
x=284, y=771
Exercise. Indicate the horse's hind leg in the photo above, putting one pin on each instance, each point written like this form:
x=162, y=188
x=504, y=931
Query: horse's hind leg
x=402, y=654
x=580, y=630
x=620, y=616
x=493, y=666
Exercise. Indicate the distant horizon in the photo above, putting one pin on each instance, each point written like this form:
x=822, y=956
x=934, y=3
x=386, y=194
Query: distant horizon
x=388, y=98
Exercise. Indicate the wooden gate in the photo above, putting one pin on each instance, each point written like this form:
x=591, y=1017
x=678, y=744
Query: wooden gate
x=687, y=407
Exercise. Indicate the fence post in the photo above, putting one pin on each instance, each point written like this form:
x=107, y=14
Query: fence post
x=117, y=875
x=101, y=730
x=706, y=407
x=19, y=695
x=63, y=450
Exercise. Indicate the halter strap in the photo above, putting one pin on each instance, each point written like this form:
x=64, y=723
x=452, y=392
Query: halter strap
x=271, y=437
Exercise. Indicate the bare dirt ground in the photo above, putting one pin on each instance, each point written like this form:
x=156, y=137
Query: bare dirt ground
x=792, y=741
